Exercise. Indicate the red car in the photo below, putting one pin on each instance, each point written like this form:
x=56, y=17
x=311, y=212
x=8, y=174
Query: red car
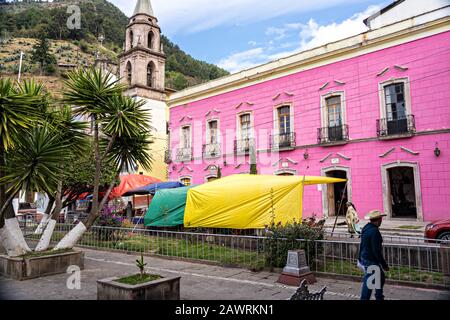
x=439, y=230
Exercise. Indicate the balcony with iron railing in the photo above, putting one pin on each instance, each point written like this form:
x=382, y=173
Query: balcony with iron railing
x=184, y=154
x=211, y=150
x=243, y=146
x=332, y=135
x=396, y=127
x=282, y=141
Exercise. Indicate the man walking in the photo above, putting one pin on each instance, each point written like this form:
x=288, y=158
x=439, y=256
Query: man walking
x=371, y=257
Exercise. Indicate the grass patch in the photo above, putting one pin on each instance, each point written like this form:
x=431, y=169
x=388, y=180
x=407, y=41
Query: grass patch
x=49, y=252
x=400, y=273
x=410, y=227
x=138, y=279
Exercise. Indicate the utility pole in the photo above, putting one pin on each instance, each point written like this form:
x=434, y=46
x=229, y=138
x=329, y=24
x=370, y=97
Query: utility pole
x=20, y=66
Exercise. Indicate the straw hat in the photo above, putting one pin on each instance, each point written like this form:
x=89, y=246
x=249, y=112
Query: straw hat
x=374, y=214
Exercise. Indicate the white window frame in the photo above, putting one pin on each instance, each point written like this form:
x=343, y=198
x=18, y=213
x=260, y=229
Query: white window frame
x=324, y=107
x=208, y=136
x=185, y=177
x=182, y=146
x=276, y=124
x=252, y=128
x=407, y=94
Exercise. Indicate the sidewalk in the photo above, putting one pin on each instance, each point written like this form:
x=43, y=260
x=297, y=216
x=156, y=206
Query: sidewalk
x=398, y=227
x=199, y=281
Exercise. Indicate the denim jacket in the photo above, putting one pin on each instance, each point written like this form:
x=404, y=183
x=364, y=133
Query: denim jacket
x=370, y=249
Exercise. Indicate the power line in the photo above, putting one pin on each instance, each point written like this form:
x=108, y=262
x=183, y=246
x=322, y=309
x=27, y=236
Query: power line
x=368, y=76
x=343, y=100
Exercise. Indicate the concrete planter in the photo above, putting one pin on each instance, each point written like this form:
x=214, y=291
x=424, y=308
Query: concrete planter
x=161, y=289
x=18, y=268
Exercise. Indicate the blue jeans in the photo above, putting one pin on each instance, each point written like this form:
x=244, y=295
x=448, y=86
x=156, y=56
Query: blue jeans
x=366, y=293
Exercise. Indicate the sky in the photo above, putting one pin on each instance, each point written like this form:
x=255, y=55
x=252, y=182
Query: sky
x=239, y=34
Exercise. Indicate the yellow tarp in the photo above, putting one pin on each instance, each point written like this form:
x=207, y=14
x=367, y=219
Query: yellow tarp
x=245, y=201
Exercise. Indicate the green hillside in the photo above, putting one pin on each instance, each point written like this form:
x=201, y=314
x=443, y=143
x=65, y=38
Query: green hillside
x=30, y=19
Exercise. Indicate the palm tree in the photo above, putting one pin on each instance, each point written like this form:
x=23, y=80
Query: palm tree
x=90, y=90
x=20, y=108
x=115, y=117
x=71, y=133
x=33, y=165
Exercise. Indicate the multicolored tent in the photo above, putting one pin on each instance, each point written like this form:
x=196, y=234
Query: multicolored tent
x=130, y=182
x=246, y=201
x=153, y=188
x=167, y=208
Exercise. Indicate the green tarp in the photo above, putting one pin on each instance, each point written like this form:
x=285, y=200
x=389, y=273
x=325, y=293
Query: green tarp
x=167, y=208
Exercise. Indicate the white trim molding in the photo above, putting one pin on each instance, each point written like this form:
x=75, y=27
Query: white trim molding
x=323, y=172
x=285, y=171
x=276, y=125
x=185, y=177
x=407, y=95
x=324, y=109
x=387, y=206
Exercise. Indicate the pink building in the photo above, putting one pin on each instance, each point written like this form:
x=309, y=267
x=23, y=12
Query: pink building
x=373, y=109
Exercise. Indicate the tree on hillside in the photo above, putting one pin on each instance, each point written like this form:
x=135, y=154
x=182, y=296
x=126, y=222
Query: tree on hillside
x=41, y=54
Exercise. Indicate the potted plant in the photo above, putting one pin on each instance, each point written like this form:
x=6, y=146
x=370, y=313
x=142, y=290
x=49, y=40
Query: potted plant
x=140, y=286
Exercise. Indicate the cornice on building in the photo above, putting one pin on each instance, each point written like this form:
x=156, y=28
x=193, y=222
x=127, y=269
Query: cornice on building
x=367, y=42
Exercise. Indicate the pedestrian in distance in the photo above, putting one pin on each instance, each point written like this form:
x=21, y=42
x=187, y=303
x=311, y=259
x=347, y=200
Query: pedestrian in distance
x=352, y=220
x=371, y=259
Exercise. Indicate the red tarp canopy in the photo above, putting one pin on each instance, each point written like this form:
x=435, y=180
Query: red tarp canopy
x=130, y=182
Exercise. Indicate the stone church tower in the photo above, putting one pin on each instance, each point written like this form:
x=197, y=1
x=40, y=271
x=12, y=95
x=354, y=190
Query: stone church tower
x=142, y=68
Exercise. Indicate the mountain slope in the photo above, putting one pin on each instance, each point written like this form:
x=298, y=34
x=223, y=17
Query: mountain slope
x=98, y=17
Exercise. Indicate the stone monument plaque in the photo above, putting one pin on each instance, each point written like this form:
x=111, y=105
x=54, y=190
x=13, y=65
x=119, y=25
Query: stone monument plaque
x=296, y=263
x=296, y=269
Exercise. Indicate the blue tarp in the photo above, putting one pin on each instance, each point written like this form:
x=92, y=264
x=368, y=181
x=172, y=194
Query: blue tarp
x=152, y=188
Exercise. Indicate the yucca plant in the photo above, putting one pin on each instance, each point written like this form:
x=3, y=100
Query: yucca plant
x=20, y=109
x=90, y=91
x=141, y=265
x=33, y=164
x=123, y=125
x=71, y=133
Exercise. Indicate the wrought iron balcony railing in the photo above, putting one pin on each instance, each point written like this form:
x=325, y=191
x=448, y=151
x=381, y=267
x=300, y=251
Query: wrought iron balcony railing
x=211, y=150
x=332, y=134
x=391, y=126
x=243, y=146
x=282, y=141
x=184, y=154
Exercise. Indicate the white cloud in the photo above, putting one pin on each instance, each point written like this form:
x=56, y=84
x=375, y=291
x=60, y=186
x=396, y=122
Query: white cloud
x=243, y=60
x=307, y=36
x=188, y=16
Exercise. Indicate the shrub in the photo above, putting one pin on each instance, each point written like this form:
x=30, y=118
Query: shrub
x=108, y=219
x=281, y=239
x=84, y=47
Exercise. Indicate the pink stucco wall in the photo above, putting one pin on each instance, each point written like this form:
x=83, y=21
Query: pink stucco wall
x=428, y=63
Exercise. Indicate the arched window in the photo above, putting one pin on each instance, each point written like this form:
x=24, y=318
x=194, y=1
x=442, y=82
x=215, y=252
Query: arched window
x=131, y=39
x=150, y=39
x=187, y=181
x=129, y=72
x=150, y=74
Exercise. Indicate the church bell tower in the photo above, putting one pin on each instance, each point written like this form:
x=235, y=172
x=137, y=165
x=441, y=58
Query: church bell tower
x=142, y=64
x=142, y=69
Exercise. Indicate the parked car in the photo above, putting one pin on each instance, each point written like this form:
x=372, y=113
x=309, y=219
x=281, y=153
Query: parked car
x=438, y=230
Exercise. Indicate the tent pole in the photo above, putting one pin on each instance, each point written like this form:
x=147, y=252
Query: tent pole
x=339, y=209
x=301, y=199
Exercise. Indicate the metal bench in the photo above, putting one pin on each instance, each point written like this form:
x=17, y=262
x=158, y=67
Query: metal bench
x=303, y=293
